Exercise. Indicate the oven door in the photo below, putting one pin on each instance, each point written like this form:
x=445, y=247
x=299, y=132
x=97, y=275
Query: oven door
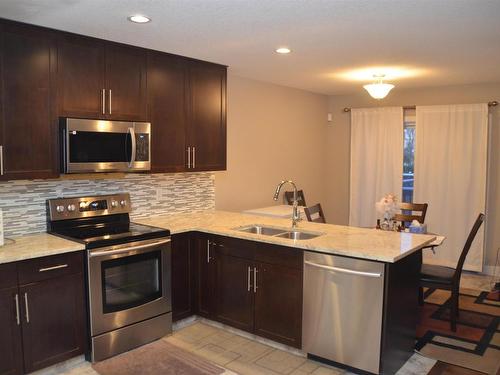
x=105, y=146
x=128, y=283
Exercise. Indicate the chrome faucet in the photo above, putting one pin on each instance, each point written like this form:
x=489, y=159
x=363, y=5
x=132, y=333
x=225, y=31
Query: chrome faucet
x=295, y=213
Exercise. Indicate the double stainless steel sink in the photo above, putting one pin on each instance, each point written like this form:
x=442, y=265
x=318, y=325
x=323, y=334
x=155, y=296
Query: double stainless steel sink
x=292, y=234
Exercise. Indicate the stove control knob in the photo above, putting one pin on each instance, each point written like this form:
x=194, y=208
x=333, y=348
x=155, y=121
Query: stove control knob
x=123, y=203
x=60, y=209
x=71, y=207
x=114, y=203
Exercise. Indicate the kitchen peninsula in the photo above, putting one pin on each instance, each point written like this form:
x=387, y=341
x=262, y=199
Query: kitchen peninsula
x=349, y=298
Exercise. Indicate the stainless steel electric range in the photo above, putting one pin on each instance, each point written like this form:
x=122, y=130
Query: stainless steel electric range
x=128, y=271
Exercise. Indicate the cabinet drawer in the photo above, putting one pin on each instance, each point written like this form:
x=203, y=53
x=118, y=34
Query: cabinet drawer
x=279, y=255
x=39, y=269
x=234, y=247
x=8, y=275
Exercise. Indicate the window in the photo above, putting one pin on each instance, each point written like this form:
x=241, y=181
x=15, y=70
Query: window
x=408, y=155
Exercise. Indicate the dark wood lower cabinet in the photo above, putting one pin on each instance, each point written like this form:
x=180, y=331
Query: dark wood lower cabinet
x=234, y=292
x=53, y=321
x=182, y=277
x=11, y=354
x=205, y=273
x=42, y=321
x=278, y=304
x=236, y=287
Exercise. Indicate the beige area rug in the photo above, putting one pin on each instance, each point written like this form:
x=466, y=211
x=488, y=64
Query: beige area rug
x=157, y=358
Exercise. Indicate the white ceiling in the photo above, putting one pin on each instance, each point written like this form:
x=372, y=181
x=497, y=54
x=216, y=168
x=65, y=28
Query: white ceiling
x=445, y=42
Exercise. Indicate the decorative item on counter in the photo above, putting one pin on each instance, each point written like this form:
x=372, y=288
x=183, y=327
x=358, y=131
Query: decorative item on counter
x=388, y=207
x=416, y=227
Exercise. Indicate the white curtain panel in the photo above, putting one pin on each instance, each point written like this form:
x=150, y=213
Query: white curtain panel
x=376, y=160
x=450, y=175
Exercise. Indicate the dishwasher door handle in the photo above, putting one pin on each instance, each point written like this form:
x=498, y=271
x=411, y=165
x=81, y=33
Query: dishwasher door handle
x=343, y=270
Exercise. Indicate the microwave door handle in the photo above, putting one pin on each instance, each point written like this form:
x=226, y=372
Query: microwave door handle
x=134, y=147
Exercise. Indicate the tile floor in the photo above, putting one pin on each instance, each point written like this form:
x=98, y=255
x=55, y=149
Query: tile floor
x=245, y=354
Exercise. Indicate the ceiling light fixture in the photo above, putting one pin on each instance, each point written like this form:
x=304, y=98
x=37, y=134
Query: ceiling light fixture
x=378, y=89
x=137, y=18
x=283, y=50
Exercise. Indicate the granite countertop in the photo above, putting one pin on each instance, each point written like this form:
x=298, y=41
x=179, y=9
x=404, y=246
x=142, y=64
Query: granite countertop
x=35, y=246
x=355, y=242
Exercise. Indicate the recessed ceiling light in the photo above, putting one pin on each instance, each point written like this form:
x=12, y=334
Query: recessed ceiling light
x=139, y=19
x=283, y=50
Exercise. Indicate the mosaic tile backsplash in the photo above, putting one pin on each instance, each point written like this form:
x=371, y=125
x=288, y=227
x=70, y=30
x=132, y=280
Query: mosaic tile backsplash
x=24, y=202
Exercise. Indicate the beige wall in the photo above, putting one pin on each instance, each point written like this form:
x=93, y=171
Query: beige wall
x=273, y=133
x=338, y=139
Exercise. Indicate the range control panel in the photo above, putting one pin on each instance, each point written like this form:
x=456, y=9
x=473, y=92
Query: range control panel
x=77, y=207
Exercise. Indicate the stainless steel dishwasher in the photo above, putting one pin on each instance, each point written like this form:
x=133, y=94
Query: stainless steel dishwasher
x=342, y=310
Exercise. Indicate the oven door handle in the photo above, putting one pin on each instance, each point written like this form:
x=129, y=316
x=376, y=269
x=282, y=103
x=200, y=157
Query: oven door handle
x=127, y=249
x=134, y=147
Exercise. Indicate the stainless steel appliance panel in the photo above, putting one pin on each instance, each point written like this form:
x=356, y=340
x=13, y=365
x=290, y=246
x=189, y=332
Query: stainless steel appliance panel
x=106, y=316
x=105, y=146
x=124, y=339
x=342, y=310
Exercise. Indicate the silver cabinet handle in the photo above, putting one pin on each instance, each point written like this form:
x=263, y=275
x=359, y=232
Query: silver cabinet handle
x=27, y=307
x=194, y=157
x=255, y=279
x=208, y=251
x=1, y=160
x=248, y=279
x=189, y=157
x=103, y=101
x=343, y=270
x=18, y=318
x=110, y=101
x=53, y=268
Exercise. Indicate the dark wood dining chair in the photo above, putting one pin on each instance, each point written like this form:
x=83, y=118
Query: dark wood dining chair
x=440, y=277
x=300, y=195
x=410, y=212
x=315, y=214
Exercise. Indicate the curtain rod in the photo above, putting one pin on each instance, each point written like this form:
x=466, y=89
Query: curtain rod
x=493, y=103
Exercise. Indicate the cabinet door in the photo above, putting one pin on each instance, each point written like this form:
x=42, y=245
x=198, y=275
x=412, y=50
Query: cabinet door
x=53, y=321
x=206, y=263
x=278, y=304
x=182, y=282
x=11, y=357
x=207, y=128
x=80, y=77
x=234, y=293
x=167, y=112
x=126, y=96
x=27, y=122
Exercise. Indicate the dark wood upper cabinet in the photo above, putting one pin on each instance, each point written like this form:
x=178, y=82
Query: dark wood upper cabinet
x=126, y=83
x=80, y=77
x=207, y=116
x=182, y=277
x=27, y=118
x=98, y=79
x=278, y=304
x=167, y=112
x=53, y=315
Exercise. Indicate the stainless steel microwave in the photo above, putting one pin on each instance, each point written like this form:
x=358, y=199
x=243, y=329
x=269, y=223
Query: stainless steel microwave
x=105, y=146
